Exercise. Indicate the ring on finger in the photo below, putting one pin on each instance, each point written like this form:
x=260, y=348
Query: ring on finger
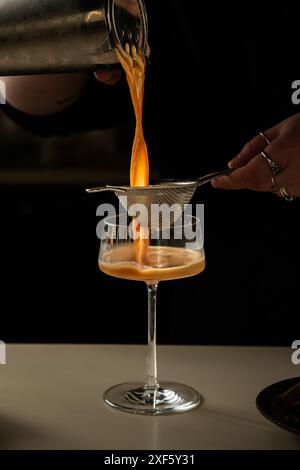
x=265, y=138
x=285, y=194
x=275, y=187
x=274, y=166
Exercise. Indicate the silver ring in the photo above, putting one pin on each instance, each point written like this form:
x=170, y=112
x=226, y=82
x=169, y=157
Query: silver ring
x=265, y=138
x=284, y=193
x=275, y=187
x=274, y=166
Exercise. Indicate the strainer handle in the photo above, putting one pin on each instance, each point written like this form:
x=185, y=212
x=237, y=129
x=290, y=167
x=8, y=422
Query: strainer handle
x=101, y=189
x=211, y=176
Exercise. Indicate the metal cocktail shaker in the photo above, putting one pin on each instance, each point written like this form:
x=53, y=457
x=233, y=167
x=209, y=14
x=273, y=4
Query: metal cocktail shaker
x=53, y=36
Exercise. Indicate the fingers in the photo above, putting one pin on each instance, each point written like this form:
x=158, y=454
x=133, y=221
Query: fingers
x=254, y=167
x=108, y=77
x=254, y=147
x=256, y=174
x=288, y=179
x=111, y=77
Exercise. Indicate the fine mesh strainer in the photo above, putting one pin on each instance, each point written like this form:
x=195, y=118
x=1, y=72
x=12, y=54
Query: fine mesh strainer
x=168, y=193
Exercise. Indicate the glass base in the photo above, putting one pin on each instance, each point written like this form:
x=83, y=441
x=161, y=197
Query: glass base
x=167, y=398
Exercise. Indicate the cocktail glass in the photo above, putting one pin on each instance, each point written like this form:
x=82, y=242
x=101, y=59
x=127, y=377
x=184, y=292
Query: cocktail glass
x=156, y=254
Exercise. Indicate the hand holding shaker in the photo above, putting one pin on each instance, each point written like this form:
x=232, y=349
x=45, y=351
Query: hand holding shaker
x=58, y=36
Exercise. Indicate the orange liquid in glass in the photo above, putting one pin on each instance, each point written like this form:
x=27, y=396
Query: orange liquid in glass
x=161, y=263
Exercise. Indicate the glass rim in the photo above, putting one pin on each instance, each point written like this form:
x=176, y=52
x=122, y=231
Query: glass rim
x=193, y=220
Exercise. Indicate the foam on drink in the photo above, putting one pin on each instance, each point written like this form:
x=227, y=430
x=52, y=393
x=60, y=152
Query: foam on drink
x=162, y=263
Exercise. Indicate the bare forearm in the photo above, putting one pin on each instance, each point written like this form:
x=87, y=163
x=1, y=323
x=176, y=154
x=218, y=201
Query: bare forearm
x=43, y=94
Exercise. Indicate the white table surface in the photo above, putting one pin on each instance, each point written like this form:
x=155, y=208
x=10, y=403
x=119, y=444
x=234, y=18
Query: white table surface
x=51, y=398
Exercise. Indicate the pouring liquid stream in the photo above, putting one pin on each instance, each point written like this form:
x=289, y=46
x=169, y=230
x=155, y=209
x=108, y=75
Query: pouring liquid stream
x=134, y=64
x=140, y=261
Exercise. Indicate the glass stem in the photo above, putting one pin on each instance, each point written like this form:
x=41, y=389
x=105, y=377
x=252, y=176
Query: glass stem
x=151, y=377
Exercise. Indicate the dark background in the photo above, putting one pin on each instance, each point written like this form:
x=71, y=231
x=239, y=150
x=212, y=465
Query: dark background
x=214, y=81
